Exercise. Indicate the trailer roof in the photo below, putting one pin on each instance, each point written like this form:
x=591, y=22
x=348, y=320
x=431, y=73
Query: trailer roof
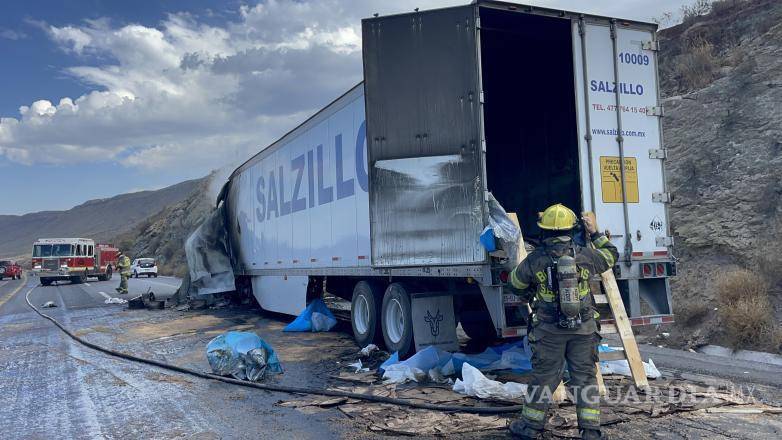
x=530, y=9
x=64, y=241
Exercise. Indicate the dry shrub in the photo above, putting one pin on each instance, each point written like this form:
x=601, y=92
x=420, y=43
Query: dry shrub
x=695, y=10
x=692, y=314
x=746, y=313
x=695, y=68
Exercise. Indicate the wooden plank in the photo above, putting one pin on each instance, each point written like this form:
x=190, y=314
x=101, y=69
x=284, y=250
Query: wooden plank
x=624, y=328
x=608, y=329
x=601, y=385
x=612, y=355
x=559, y=394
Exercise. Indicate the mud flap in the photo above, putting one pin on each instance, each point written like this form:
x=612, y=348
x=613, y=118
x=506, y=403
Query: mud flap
x=434, y=322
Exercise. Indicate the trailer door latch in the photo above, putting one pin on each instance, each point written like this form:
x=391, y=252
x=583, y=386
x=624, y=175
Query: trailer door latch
x=663, y=241
x=651, y=45
x=662, y=197
x=660, y=153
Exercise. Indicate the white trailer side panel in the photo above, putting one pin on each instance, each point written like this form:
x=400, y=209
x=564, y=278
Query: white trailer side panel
x=303, y=202
x=641, y=132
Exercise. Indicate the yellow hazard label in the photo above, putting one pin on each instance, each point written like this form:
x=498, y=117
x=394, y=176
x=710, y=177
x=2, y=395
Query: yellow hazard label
x=610, y=178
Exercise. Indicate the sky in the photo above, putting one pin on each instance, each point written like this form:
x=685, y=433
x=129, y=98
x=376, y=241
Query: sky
x=99, y=97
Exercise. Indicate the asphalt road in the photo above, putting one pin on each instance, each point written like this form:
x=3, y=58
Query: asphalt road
x=55, y=388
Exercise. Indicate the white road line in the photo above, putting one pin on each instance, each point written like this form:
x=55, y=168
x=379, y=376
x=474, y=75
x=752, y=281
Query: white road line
x=105, y=295
x=87, y=284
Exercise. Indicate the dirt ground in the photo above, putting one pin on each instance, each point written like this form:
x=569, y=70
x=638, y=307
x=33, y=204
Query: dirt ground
x=320, y=359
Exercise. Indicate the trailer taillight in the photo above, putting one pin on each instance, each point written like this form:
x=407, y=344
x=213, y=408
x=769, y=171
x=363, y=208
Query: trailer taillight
x=646, y=270
x=660, y=269
x=504, y=276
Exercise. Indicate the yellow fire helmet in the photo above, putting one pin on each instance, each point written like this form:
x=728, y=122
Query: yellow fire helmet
x=557, y=218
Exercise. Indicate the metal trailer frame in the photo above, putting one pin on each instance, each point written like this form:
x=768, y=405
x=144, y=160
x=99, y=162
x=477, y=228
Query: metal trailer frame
x=482, y=273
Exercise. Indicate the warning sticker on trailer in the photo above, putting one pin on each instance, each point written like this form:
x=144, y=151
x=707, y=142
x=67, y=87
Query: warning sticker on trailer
x=610, y=177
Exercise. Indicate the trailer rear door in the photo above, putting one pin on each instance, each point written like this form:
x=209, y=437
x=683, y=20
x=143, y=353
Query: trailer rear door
x=423, y=143
x=639, y=224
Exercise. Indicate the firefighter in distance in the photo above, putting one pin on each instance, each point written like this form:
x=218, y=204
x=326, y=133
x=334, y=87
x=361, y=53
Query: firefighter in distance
x=555, y=279
x=123, y=264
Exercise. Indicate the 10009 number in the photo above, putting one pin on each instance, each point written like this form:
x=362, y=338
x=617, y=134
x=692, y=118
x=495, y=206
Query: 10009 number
x=634, y=58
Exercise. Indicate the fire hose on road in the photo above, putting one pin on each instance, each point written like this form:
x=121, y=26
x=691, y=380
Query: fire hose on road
x=272, y=387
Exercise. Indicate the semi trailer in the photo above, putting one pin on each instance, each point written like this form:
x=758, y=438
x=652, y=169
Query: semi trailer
x=380, y=197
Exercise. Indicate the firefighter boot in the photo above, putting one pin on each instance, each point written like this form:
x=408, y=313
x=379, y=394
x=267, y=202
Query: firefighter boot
x=592, y=434
x=522, y=431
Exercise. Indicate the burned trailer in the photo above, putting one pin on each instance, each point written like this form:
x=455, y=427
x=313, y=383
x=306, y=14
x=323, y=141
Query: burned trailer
x=380, y=197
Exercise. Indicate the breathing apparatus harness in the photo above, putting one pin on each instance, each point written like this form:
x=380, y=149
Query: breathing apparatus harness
x=562, y=279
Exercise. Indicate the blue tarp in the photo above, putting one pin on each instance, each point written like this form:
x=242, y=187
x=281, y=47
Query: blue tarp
x=243, y=355
x=513, y=356
x=315, y=318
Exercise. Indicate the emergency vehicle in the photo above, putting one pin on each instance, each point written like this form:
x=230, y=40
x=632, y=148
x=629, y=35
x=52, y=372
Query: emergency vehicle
x=73, y=259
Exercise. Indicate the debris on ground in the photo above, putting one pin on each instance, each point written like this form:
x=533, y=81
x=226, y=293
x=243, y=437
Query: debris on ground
x=435, y=363
x=315, y=318
x=474, y=383
x=220, y=304
x=115, y=301
x=402, y=420
x=622, y=367
x=48, y=304
x=358, y=366
x=242, y=355
x=369, y=349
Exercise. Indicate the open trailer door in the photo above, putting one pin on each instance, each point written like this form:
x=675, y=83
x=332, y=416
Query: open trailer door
x=621, y=119
x=423, y=142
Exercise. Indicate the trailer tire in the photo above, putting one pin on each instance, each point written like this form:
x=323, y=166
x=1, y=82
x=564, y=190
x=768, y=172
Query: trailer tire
x=397, y=321
x=46, y=282
x=365, y=313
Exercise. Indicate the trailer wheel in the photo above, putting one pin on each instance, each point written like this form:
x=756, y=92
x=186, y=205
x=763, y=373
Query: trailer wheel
x=365, y=313
x=397, y=321
x=46, y=282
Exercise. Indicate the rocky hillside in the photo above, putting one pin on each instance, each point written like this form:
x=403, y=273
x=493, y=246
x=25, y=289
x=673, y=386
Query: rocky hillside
x=163, y=234
x=722, y=81
x=99, y=219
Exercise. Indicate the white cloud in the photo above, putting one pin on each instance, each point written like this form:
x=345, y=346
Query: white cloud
x=189, y=94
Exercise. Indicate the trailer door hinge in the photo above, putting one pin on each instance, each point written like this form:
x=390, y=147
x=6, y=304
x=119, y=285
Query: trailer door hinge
x=655, y=110
x=664, y=197
x=660, y=153
x=663, y=241
x=651, y=45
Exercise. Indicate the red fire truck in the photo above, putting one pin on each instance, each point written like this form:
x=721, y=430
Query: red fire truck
x=73, y=259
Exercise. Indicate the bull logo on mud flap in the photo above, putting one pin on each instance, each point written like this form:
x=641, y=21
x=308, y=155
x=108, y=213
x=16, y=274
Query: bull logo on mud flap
x=434, y=321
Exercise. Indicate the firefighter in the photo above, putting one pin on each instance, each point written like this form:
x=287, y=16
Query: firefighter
x=563, y=323
x=123, y=263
